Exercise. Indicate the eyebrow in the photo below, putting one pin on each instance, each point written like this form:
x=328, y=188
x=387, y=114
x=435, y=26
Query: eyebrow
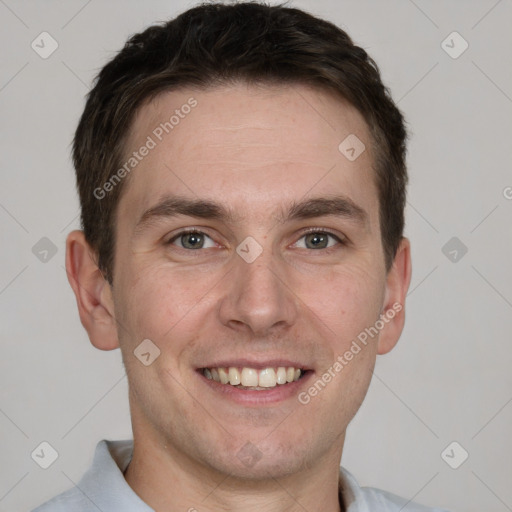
x=172, y=206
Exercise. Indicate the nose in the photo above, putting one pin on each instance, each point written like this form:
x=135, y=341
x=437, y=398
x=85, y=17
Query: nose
x=257, y=299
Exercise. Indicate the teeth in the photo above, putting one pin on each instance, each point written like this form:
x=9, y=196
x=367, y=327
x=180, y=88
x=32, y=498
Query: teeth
x=252, y=378
x=267, y=378
x=223, y=375
x=234, y=376
x=281, y=375
x=249, y=377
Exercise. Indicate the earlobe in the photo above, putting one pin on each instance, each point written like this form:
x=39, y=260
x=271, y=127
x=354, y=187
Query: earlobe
x=397, y=284
x=93, y=293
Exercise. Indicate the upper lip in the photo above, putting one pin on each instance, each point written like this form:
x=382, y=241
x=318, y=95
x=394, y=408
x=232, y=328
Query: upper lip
x=256, y=364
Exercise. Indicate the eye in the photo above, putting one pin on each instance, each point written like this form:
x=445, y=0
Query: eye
x=192, y=239
x=318, y=240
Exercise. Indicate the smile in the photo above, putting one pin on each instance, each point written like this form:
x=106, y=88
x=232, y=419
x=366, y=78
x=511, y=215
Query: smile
x=252, y=378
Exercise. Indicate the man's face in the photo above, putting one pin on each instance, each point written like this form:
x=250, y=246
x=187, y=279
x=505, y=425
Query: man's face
x=264, y=156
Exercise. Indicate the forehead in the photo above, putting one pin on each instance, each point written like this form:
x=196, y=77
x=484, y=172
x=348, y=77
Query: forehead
x=251, y=146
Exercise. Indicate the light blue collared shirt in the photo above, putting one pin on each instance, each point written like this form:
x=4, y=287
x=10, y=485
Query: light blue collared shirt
x=104, y=489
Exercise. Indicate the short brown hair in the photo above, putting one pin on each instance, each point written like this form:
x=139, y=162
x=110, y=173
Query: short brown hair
x=214, y=44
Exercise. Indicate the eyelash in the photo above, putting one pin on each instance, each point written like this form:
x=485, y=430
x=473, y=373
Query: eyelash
x=323, y=230
x=308, y=231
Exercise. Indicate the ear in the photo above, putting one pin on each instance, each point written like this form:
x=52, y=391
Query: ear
x=397, y=284
x=92, y=291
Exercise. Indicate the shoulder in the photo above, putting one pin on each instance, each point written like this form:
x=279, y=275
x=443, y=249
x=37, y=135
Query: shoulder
x=366, y=499
x=103, y=486
x=386, y=501
x=69, y=501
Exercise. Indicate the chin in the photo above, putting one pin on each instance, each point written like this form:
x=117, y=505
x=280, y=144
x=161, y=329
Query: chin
x=265, y=468
x=265, y=460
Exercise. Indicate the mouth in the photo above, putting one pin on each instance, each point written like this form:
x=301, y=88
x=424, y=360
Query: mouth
x=254, y=379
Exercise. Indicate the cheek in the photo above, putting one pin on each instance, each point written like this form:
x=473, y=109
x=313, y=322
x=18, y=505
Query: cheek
x=158, y=306
x=158, y=302
x=345, y=300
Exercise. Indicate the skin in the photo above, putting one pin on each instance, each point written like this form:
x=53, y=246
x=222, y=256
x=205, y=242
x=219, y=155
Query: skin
x=255, y=150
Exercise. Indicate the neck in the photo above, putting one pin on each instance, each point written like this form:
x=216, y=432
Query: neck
x=166, y=479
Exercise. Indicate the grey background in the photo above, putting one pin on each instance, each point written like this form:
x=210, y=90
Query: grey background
x=448, y=379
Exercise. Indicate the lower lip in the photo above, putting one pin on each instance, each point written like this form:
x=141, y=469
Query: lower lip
x=268, y=396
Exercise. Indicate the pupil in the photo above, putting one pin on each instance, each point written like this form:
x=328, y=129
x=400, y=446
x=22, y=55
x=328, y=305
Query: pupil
x=192, y=240
x=318, y=240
